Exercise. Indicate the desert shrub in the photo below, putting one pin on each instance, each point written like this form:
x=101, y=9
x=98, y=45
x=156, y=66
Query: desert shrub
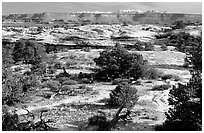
x=86, y=49
x=66, y=88
x=85, y=75
x=73, y=57
x=54, y=85
x=86, y=88
x=123, y=95
x=149, y=47
x=186, y=65
x=184, y=42
x=153, y=73
x=9, y=120
x=74, y=77
x=70, y=82
x=62, y=79
x=179, y=25
x=99, y=122
x=58, y=65
x=167, y=76
x=70, y=63
x=12, y=122
x=7, y=50
x=118, y=62
x=18, y=69
x=164, y=47
x=51, y=70
x=95, y=92
x=138, y=47
x=119, y=80
x=74, y=91
x=176, y=78
x=30, y=52
x=161, y=87
x=86, y=81
x=15, y=87
x=44, y=94
x=63, y=75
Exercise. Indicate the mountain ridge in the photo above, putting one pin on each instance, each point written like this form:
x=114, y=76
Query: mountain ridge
x=129, y=16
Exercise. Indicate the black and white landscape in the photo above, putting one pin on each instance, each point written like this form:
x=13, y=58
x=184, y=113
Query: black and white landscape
x=101, y=70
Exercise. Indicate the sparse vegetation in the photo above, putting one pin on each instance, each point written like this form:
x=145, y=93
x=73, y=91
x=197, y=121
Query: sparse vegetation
x=119, y=80
x=124, y=96
x=186, y=100
x=164, y=47
x=167, y=76
x=161, y=87
x=93, y=75
x=149, y=47
x=53, y=85
x=70, y=82
x=153, y=73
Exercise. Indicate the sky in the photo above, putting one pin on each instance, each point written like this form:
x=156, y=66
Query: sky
x=39, y=7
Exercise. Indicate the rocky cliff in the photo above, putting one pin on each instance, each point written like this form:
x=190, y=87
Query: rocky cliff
x=106, y=18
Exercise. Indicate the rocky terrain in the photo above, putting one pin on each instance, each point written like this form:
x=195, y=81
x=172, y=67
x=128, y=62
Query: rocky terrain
x=71, y=112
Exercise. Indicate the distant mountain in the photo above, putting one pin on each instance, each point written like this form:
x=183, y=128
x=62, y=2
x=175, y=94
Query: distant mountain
x=123, y=16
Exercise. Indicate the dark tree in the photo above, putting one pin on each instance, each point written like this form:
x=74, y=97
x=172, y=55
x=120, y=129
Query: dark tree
x=186, y=100
x=124, y=96
x=119, y=63
x=30, y=52
x=179, y=25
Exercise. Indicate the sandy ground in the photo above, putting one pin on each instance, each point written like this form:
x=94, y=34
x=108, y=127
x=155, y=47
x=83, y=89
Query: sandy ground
x=149, y=110
x=69, y=111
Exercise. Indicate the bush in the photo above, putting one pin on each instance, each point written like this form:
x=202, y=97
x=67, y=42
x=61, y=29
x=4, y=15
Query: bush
x=63, y=75
x=138, y=47
x=99, y=122
x=70, y=82
x=164, y=47
x=149, y=47
x=123, y=95
x=176, y=78
x=86, y=88
x=54, y=85
x=30, y=52
x=118, y=62
x=186, y=65
x=153, y=73
x=9, y=121
x=179, y=25
x=66, y=88
x=70, y=63
x=167, y=76
x=119, y=80
x=86, y=81
x=58, y=65
x=16, y=86
x=18, y=69
x=46, y=94
x=161, y=87
x=62, y=79
x=86, y=49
